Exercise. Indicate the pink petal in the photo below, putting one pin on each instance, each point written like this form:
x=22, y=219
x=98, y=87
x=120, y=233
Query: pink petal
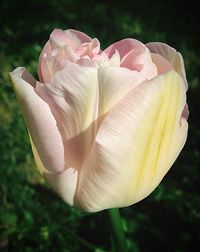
x=57, y=50
x=170, y=54
x=44, y=70
x=59, y=38
x=132, y=60
x=123, y=47
x=89, y=49
x=40, y=122
x=71, y=38
x=86, y=62
x=82, y=36
x=139, y=59
x=134, y=56
x=162, y=64
x=185, y=113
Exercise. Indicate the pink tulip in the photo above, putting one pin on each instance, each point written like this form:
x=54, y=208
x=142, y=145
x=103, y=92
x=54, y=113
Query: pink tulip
x=105, y=126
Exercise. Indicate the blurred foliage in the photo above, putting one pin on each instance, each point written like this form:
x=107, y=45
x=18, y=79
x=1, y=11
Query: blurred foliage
x=32, y=217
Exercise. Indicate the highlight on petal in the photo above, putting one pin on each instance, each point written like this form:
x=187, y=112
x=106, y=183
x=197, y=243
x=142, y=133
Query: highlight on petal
x=40, y=122
x=73, y=97
x=173, y=57
x=135, y=145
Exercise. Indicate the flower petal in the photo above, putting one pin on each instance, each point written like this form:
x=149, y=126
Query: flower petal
x=173, y=57
x=44, y=67
x=80, y=35
x=162, y=64
x=70, y=37
x=40, y=122
x=135, y=146
x=115, y=83
x=89, y=49
x=139, y=59
x=73, y=97
x=123, y=46
x=64, y=183
x=134, y=56
x=57, y=50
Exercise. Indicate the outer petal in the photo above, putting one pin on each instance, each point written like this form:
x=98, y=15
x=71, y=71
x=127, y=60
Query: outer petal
x=64, y=183
x=40, y=122
x=135, y=146
x=45, y=137
x=73, y=98
x=173, y=57
x=44, y=66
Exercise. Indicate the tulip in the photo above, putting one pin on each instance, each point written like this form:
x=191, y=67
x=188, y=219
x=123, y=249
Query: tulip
x=105, y=125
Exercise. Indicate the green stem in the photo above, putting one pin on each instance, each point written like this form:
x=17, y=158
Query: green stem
x=116, y=229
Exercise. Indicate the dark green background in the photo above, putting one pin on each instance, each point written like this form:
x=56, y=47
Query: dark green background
x=32, y=217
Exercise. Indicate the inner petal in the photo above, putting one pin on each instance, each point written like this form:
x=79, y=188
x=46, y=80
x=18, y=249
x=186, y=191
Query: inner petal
x=73, y=98
x=139, y=59
x=89, y=49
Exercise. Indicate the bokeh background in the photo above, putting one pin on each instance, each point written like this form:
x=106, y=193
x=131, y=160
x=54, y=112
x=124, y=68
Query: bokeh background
x=32, y=217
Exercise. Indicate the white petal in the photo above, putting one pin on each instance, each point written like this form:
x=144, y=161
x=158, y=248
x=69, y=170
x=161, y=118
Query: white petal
x=73, y=98
x=64, y=183
x=135, y=146
x=115, y=83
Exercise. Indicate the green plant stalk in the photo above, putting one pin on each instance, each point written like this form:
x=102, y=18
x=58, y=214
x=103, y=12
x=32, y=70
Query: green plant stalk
x=116, y=230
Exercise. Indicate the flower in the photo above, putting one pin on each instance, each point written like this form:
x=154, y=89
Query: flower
x=105, y=126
